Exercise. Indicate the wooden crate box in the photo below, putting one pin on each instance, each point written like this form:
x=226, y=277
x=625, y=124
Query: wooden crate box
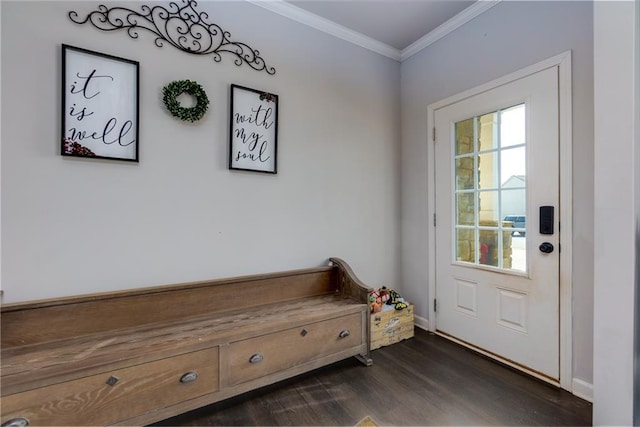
x=391, y=326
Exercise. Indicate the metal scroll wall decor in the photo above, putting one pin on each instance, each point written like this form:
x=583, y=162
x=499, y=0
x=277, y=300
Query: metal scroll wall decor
x=182, y=26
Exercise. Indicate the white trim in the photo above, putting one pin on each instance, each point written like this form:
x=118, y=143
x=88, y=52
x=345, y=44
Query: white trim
x=421, y=322
x=583, y=389
x=431, y=215
x=325, y=25
x=312, y=20
x=449, y=26
x=566, y=215
x=563, y=62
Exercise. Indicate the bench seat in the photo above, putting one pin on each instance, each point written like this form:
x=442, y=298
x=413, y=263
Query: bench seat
x=135, y=357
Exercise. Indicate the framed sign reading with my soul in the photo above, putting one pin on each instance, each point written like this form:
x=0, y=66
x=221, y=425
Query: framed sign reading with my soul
x=99, y=105
x=254, y=130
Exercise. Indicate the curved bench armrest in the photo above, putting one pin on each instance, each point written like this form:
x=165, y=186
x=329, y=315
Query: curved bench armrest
x=348, y=283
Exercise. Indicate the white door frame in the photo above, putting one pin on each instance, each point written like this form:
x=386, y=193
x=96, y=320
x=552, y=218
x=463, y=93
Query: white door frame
x=563, y=62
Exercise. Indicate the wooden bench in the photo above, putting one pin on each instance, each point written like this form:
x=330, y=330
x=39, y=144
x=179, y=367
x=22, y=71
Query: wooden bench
x=140, y=356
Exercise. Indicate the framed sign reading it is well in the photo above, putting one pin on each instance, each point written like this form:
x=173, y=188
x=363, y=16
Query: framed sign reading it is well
x=253, y=132
x=99, y=105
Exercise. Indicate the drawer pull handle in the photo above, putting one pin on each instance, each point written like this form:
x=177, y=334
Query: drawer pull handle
x=344, y=333
x=16, y=422
x=188, y=377
x=256, y=358
x=304, y=332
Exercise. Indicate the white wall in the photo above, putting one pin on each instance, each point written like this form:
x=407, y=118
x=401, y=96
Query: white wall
x=74, y=226
x=614, y=207
x=508, y=37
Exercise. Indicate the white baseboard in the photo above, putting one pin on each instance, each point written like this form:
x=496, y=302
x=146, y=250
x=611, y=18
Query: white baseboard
x=421, y=322
x=582, y=389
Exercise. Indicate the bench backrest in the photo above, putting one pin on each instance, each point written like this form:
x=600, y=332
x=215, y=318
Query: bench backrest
x=58, y=319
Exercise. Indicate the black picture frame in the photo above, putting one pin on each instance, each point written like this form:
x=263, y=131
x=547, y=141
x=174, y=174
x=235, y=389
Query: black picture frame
x=253, y=130
x=100, y=105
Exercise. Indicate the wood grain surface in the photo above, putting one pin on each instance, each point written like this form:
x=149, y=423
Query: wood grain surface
x=118, y=358
x=423, y=381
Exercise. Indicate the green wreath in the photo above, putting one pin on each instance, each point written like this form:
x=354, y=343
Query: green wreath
x=174, y=89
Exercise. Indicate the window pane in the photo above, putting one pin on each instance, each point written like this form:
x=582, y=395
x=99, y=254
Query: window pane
x=488, y=208
x=489, y=247
x=488, y=170
x=465, y=209
x=513, y=164
x=517, y=249
x=487, y=135
x=514, y=206
x=490, y=190
x=465, y=245
x=512, y=129
x=464, y=137
x=464, y=173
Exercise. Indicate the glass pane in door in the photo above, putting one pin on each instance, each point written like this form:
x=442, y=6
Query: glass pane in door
x=464, y=137
x=491, y=190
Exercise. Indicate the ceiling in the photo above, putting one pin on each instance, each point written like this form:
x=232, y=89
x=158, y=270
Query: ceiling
x=396, y=23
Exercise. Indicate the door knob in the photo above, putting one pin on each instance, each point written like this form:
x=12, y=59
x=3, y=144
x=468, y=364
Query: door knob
x=546, y=247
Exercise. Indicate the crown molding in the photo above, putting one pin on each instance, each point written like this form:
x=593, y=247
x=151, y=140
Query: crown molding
x=302, y=16
x=452, y=24
x=319, y=23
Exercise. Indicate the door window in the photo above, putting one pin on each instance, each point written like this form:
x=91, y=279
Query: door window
x=490, y=190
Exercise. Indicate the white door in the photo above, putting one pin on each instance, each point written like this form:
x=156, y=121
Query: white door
x=497, y=210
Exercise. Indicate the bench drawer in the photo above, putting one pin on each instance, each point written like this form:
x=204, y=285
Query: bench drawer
x=256, y=357
x=133, y=391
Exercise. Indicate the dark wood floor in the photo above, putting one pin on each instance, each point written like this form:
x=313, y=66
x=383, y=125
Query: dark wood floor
x=425, y=380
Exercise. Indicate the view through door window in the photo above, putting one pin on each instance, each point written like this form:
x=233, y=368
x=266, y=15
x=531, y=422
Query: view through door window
x=490, y=190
